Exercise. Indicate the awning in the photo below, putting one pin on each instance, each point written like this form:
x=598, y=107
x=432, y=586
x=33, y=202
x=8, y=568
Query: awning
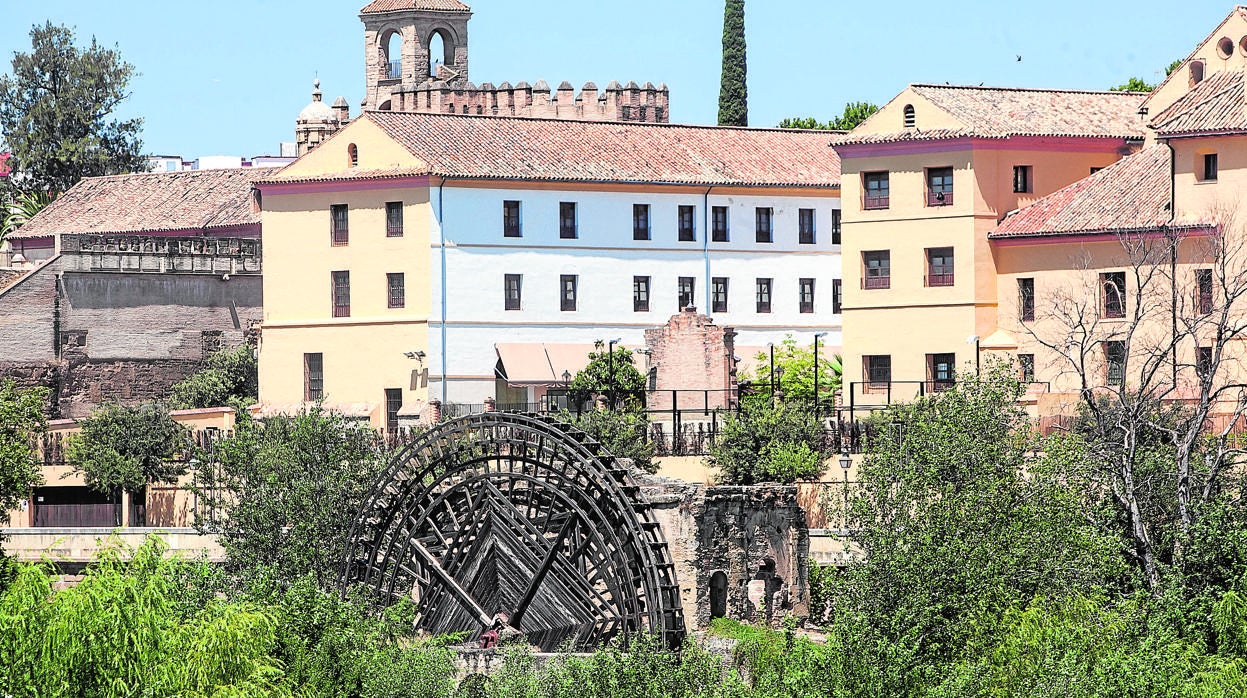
x=545, y=364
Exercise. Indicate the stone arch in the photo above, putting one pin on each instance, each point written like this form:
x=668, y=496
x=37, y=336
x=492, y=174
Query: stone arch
x=391, y=48
x=505, y=519
x=718, y=595
x=441, y=49
x=911, y=117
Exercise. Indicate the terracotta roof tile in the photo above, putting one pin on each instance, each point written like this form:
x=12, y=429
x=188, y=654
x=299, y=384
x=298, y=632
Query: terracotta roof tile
x=999, y=112
x=486, y=147
x=395, y=5
x=1131, y=194
x=346, y=175
x=197, y=200
x=1215, y=105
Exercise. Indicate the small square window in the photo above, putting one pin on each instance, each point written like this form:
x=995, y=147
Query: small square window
x=765, y=224
x=567, y=221
x=719, y=224
x=878, y=269
x=396, y=284
x=940, y=266
x=511, y=219
x=640, y=222
x=340, y=232
x=640, y=294
x=807, y=295
x=877, y=372
x=393, y=405
x=837, y=297
x=341, y=294
x=875, y=188
x=718, y=294
x=688, y=228
x=568, y=284
x=941, y=371
x=313, y=377
x=1210, y=167
x=1113, y=295
x=686, y=287
x=835, y=226
x=805, y=226
x=513, y=291
x=394, y=219
x=1022, y=179
x=940, y=186
x=764, y=295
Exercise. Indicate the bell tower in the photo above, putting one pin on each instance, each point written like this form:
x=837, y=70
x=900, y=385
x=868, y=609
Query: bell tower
x=411, y=42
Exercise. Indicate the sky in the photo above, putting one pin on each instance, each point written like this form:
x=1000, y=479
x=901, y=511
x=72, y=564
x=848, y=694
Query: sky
x=230, y=76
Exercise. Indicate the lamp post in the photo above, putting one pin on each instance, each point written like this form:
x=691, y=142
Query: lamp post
x=974, y=339
x=610, y=367
x=818, y=413
x=771, y=374
x=846, y=462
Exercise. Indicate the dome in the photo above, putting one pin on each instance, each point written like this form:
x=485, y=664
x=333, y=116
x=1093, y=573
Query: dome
x=317, y=110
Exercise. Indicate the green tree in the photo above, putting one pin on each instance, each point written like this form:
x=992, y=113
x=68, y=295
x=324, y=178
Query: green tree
x=621, y=431
x=286, y=489
x=764, y=443
x=854, y=114
x=229, y=378
x=808, y=123
x=1133, y=85
x=611, y=374
x=734, y=90
x=794, y=374
x=18, y=211
x=22, y=421
x=125, y=448
x=56, y=112
x=1177, y=63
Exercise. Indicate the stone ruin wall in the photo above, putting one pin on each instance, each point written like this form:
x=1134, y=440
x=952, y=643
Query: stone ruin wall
x=757, y=536
x=631, y=103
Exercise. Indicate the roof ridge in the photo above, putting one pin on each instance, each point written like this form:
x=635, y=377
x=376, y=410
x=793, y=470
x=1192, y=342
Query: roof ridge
x=221, y=170
x=604, y=122
x=989, y=88
x=1232, y=79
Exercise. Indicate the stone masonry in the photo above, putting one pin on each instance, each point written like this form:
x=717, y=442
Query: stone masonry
x=692, y=354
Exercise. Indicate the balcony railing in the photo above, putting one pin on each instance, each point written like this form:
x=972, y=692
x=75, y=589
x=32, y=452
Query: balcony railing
x=877, y=282
x=873, y=203
x=939, y=198
x=934, y=280
x=394, y=70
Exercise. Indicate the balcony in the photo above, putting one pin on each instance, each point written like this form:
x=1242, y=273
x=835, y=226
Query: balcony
x=939, y=198
x=394, y=70
x=871, y=283
x=875, y=203
x=936, y=280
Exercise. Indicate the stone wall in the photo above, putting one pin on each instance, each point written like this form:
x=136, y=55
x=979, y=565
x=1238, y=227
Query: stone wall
x=756, y=537
x=691, y=354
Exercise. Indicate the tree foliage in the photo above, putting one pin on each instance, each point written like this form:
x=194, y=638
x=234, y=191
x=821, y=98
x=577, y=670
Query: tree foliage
x=794, y=374
x=734, y=90
x=57, y=112
x=764, y=443
x=286, y=488
x=21, y=422
x=19, y=210
x=611, y=374
x=1133, y=85
x=854, y=114
x=622, y=431
x=229, y=378
x=125, y=448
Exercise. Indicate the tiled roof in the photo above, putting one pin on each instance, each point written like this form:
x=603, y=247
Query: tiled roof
x=996, y=112
x=394, y=5
x=197, y=200
x=1215, y=105
x=485, y=147
x=346, y=175
x=1131, y=194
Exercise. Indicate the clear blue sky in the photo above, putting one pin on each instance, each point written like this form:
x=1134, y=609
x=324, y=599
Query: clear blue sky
x=229, y=76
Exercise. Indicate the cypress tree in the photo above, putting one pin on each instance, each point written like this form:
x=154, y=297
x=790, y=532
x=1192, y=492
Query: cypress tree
x=734, y=94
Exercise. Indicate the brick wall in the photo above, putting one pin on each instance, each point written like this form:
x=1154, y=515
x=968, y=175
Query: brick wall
x=690, y=354
x=28, y=316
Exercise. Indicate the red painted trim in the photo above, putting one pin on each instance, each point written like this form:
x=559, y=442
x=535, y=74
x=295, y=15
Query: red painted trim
x=342, y=185
x=1061, y=144
x=1068, y=238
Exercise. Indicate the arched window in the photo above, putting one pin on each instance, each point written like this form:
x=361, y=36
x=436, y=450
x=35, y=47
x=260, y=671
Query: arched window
x=911, y=119
x=1197, y=72
x=718, y=594
x=437, y=52
x=394, y=55
x=352, y=153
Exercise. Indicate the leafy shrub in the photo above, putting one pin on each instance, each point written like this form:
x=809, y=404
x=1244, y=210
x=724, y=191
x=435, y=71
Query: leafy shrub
x=621, y=431
x=230, y=378
x=763, y=443
x=125, y=448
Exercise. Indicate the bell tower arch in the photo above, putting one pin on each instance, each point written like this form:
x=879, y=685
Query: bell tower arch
x=410, y=42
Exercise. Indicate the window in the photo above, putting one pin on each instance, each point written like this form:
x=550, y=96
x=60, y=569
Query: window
x=352, y=152
x=875, y=186
x=686, y=285
x=567, y=283
x=1203, y=293
x=393, y=404
x=1196, y=73
x=511, y=219
x=835, y=226
x=340, y=233
x=805, y=226
x=1203, y=362
x=1096, y=169
x=640, y=221
x=313, y=377
x=765, y=228
x=513, y=291
x=939, y=266
x=718, y=222
x=398, y=291
x=1026, y=300
x=718, y=294
x=567, y=220
x=877, y=371
x=394, y=219
x=837, y=297
x=764, y=295
x=341, y=294
x=1027, y=363
x=1115, y=362
x=1113, y=295
x=878, y=269
x=1209, y=173
x=640, y=294
x=941, y=371
x=806, y=295
x=1022, y=179
x=940, y=186
x=688, y=230
x=911, y=118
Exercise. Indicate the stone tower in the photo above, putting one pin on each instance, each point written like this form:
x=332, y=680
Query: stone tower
x=318, y=121
x=411, y=42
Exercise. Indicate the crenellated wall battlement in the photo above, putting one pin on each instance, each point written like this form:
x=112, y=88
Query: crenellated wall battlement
x=633, y=103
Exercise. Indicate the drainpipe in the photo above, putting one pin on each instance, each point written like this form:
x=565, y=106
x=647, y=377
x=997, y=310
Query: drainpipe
x=705, y=246
x=441, y=232
x=1173, y=255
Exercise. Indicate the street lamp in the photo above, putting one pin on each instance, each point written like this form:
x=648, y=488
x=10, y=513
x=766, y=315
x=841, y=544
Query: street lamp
x=610, y=368
x=974, y=339
x=818, y=414
x=771, y=374
x=846, y=462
